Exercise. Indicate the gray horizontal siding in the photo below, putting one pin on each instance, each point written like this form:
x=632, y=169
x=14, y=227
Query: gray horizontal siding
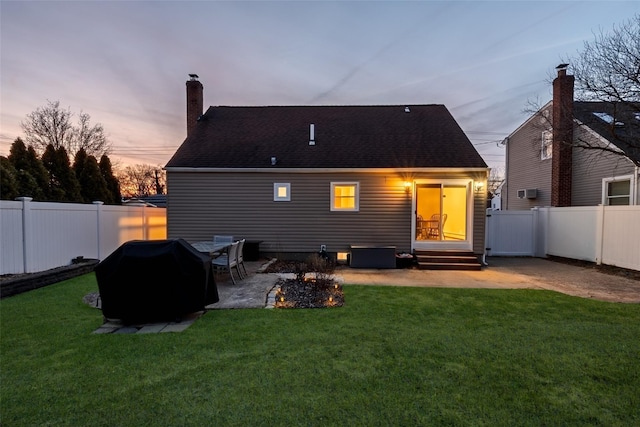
x=590, y=167
x=200, y=205
x=525, y=169
x=479, y=218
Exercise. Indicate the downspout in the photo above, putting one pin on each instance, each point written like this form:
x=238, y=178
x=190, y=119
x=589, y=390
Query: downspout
x=486, y=225
x=636, y=178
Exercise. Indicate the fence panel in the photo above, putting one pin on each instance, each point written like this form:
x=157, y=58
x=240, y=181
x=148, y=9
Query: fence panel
x=60, y=232
x=510, y=233
x=37, y=236
x=12, y=247
x=572, y=232
x=621, y=236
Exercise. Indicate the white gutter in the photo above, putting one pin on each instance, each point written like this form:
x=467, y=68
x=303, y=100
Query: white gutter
x=325, y=170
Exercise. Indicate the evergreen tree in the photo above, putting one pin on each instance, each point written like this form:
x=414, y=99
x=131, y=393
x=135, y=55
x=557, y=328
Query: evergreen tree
x=38, y=171
x=18, y=155
x=63, y=184
x=55, y=190
x=68, y=178
x=8, y=182
x=112, y=182
x=20, y=159
x=92, y=185
x=79, y=161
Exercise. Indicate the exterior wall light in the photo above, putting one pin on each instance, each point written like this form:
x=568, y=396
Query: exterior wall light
x=479, y=185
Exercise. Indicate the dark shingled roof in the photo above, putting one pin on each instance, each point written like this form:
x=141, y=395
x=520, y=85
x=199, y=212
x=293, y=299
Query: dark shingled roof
x=345, y=137
x=624, y=132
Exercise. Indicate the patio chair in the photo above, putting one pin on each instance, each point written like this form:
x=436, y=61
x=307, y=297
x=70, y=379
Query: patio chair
x=421, y=228
x=241, y=257
x=228, y=261
x=222, y=239
x=435, y=224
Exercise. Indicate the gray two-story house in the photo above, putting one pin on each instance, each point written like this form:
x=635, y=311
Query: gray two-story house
x=568, y=154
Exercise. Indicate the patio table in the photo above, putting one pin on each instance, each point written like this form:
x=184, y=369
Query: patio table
x=214, y=250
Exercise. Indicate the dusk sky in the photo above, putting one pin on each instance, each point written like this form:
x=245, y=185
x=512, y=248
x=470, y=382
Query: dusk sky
x=126, y=63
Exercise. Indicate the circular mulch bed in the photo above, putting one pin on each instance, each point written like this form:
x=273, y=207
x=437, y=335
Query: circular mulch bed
x=304, y=293
x=309, y=293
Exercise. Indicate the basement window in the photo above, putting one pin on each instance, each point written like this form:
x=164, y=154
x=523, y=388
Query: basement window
x=281, y=192
x=345, y=196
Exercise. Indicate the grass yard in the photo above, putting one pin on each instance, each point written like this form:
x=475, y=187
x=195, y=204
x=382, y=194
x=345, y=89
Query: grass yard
x=390, y=356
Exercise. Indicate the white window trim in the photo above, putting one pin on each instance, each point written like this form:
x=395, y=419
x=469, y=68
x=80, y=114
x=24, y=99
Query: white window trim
x=356, y=208
x=632, y=188
x=276, y=187
x=546, y=134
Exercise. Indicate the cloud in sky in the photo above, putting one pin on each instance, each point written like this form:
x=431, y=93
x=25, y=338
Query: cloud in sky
x=125, y=63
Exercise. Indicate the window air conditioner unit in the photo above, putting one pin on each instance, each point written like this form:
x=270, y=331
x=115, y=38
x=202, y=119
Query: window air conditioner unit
x=529, y=193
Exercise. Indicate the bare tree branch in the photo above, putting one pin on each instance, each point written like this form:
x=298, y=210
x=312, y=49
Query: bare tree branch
x=52, y=125
x=607, y=80
x=141, y=180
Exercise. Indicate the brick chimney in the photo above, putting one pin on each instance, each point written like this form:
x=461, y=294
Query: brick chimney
x=562, y=123
x=194, y=101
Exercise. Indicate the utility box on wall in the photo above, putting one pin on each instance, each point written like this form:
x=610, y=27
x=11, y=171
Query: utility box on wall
x=373, y=256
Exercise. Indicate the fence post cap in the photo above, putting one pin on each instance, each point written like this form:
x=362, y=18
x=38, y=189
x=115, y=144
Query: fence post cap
x=24, y=199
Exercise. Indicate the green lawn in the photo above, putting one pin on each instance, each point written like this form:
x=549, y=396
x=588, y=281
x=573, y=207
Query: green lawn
x=390, y=356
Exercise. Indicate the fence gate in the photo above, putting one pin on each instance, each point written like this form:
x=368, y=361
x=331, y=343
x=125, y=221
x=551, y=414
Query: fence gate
x=510, y=233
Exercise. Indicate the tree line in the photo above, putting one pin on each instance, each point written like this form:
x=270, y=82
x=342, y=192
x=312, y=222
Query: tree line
x=52, y=177
x=41, y=167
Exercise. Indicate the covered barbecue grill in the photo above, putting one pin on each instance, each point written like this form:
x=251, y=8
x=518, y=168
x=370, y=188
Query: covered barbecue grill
x=155, y=280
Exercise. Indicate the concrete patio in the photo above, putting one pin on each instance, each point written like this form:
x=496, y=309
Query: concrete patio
x=501, y=273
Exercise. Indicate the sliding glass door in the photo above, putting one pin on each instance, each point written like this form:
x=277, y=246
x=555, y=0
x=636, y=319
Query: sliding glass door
x=442, y=214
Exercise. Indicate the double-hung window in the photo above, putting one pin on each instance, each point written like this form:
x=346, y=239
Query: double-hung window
x=345, y=196
x=617, y=191
x=547, y=145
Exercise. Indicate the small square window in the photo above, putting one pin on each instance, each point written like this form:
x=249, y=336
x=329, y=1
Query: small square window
x=345, y=196
x=281, y=192
x=547, y=145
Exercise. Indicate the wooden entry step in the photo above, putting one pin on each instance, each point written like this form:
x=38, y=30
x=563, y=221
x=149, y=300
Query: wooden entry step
x=447, y=260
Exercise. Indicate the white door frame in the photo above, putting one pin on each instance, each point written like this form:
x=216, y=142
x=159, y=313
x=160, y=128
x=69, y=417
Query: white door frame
x=466, y=244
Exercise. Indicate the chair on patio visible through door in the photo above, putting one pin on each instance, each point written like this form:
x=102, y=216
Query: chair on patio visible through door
x=434, y=225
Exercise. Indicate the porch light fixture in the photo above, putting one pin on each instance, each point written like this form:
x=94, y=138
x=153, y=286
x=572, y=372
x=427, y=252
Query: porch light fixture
x=407, y=187
x=479, y=186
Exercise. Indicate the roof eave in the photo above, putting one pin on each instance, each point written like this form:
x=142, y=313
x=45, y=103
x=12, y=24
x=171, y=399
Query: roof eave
x=327, y=170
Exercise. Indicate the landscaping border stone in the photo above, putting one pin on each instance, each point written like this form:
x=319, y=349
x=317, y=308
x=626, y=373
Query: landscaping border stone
x=14, y=285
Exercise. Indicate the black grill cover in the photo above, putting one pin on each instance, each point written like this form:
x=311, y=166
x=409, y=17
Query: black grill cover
x=155, y=280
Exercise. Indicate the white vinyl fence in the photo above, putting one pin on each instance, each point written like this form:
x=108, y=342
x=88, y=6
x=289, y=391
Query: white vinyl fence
x=601, y=234
x=37, y=236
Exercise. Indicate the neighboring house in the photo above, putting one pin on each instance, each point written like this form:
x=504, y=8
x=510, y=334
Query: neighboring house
x=158, y=200
x=544, y=170
x=496, y=199
x=298, y=177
